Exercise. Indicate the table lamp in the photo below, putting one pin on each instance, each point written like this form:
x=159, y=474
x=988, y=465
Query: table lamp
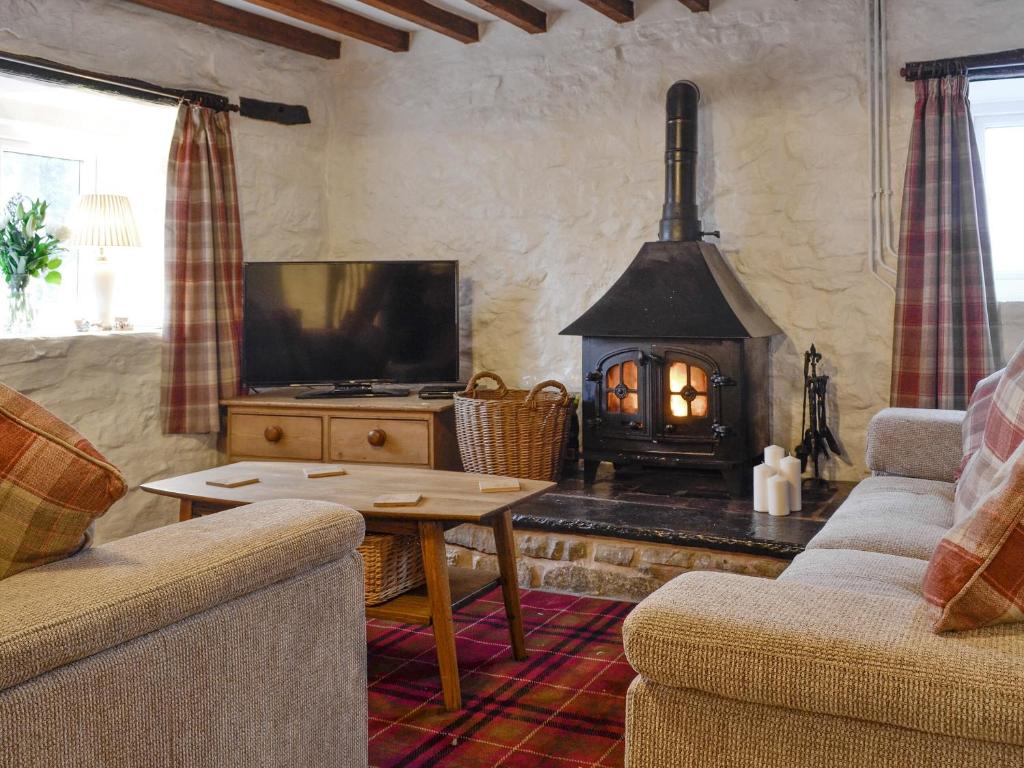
x=104, y=221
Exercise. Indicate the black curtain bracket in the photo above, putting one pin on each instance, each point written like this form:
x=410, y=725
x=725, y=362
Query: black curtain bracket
x=61, y=74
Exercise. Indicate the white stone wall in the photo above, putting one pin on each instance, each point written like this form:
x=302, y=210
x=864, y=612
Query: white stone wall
x=537, y=162
x=108, y=386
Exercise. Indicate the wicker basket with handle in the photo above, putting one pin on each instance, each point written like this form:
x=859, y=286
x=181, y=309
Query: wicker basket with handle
x=512, y=432
x=391, y=565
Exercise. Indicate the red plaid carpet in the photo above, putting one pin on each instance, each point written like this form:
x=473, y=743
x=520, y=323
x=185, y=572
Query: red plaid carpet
x=561, y=708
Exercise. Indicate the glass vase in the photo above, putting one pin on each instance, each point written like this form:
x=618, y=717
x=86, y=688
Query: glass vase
x=19, y=305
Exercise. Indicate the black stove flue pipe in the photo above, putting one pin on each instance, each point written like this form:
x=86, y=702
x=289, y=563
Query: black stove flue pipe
x=679, y=220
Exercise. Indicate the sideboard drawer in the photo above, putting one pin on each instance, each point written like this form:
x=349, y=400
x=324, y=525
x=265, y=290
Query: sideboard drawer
x=269, y=436
x=380, y=441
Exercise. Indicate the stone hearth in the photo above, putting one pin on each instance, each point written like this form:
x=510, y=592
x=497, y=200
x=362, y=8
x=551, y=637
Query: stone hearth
x=631, y=531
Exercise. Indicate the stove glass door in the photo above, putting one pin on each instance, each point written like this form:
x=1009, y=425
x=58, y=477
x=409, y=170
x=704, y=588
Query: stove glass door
x=623, y=394
x=688, y=401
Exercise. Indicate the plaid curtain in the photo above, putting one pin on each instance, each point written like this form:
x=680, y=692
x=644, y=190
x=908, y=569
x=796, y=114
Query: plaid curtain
x=202, y=324
x=945, y=334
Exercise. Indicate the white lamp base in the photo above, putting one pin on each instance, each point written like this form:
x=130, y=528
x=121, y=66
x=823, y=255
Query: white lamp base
x=105, y=277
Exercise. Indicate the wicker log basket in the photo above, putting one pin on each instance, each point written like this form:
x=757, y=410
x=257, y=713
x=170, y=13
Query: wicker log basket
x=513, y=432
x=391, y=565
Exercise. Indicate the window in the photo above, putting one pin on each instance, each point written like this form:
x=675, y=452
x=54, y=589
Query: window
x=998, y=110
x=58, y=142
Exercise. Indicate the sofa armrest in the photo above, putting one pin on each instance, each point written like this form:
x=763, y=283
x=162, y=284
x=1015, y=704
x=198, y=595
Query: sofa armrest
x=59, y=613
x=916, y=442
x=830, y=651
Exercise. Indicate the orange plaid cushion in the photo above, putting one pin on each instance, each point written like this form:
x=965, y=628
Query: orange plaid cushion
x=976, y=575
x=53, y=484
x=1004, y=431
x=977, y=415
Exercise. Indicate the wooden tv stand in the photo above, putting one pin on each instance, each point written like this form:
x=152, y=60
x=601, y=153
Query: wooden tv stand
x=399, y=431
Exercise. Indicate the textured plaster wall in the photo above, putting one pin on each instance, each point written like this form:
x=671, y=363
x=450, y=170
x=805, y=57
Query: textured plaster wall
x=108, y=387
x=537, y=162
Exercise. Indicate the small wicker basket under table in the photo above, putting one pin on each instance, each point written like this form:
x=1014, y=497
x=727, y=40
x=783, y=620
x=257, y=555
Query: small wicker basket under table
x=391, y=565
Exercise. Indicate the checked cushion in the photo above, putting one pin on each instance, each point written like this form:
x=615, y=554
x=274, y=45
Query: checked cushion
x=976, y=575
x=977, y=415
x=1004, y=431
x=53, y=484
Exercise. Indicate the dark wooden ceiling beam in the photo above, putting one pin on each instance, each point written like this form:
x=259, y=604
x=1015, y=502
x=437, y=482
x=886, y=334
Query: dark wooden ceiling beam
x=429, y=16
x=337, y=19
x=248, y=24
x=522, y=14
x=697, y=6
x=616, y=10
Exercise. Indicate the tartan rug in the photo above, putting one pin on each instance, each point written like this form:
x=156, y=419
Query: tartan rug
x=562, y=707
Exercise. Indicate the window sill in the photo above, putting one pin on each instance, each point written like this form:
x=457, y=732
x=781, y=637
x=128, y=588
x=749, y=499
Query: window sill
x=80, y=334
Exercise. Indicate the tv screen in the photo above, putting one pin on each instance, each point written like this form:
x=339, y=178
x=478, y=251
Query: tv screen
x=338, y=321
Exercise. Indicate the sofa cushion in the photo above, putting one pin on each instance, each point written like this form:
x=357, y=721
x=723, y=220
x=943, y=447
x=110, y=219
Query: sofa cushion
x=915, y=442
x=1004, y=431
x=829, y=651
x=111, y=594
x=891, y=515
x=977, y=414
x=870, y=573
x=53, y=484
x=976, y=576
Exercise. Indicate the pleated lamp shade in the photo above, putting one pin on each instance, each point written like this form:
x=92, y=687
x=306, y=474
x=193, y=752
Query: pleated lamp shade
x=104, y=220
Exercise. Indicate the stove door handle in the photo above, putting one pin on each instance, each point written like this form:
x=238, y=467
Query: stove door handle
x=637, y=425
x=722, y=431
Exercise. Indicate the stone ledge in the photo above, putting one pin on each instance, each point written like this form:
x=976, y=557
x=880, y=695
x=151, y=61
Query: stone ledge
x=529, y=544
x=599, y=566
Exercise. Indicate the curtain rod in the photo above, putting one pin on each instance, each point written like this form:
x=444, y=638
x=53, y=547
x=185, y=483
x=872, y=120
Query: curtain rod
x=62, y=74
x=984, y=66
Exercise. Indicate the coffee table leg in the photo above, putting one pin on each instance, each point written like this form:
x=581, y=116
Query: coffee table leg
x=185, y=510
x=505, y=544
x=435, y=568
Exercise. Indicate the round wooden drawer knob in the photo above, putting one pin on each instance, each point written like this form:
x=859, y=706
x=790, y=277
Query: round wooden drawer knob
x=273, y=434
x=376, y=437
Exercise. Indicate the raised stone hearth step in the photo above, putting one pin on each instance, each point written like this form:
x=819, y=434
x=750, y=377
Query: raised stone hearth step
x=630, y=532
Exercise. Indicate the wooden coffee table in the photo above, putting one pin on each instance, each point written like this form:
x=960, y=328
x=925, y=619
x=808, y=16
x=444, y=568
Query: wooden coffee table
x=449, y=499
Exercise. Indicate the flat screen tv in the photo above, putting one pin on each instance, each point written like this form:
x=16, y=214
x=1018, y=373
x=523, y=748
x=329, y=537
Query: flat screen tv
x=330, y=322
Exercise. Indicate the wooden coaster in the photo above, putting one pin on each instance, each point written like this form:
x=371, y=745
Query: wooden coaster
x=499, y=485
x=234, y=481
x=327, y=470
x=398, y=500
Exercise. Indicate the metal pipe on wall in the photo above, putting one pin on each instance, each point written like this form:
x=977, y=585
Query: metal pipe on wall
x=883, y=256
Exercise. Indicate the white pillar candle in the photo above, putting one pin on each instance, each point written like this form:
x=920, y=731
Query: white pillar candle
x=789, y=468
x=761, y=474
x=778, y=496
x=773, y=455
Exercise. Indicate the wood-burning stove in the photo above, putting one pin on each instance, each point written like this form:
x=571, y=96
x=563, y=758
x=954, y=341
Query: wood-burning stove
x=676, y=353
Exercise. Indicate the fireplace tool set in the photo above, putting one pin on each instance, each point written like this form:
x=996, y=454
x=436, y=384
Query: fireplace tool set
x=818, y=439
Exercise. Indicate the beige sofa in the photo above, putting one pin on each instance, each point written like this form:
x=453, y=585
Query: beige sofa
x=834, y=663
x=232, y=640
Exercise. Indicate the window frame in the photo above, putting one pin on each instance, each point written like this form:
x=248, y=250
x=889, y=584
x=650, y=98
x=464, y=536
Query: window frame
x=58, y=150
x=987, y=114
